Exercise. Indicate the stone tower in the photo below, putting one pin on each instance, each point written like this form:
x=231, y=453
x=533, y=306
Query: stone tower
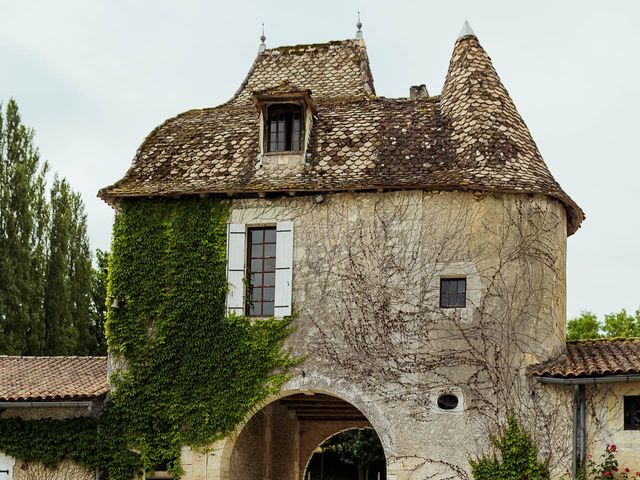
x=420, y=243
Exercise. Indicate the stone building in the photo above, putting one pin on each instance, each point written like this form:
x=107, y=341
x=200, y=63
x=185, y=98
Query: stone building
x=421, y=243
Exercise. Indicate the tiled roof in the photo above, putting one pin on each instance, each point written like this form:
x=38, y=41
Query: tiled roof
x=52, y=378
x=593, y=358
x=469, y=138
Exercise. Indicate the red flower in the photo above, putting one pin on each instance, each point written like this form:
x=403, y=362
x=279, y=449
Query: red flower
x=607, y=473
x=626, y=470
x=612, y=448
x=615, y=469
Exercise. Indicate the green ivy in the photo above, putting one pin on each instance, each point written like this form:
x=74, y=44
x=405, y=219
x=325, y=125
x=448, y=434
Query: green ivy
x=517, y=460
x=192, y=372
x=50, y=441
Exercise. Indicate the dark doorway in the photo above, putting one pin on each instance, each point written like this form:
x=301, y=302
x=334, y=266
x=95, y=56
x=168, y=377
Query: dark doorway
x=354, y=454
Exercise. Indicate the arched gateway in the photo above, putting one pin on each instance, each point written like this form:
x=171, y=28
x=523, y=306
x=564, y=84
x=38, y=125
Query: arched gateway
x=280, y=438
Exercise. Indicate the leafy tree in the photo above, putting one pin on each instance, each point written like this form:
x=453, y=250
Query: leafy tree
x=622, y=324
x=617, y=324
x=99, y=300
x=67, y=295
x=358, y=446
x=23, y=237
x=583, y=327
x=515, y=457
x=45, y=260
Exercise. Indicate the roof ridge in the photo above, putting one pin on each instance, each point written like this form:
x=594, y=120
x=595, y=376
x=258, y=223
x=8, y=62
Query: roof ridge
x=53, y=356
x=604, y=340
x=305, y=46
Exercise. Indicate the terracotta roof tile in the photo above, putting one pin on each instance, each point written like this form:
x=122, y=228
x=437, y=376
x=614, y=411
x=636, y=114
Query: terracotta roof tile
x=52, y=378
x=593, y=358
x=470, y=138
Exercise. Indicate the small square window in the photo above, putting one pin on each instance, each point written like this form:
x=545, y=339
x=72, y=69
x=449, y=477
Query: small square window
x=261, y=276
x=632, y=412
x=453, y=292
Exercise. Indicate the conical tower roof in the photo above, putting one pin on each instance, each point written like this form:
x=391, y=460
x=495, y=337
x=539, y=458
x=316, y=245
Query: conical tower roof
x=487, y=132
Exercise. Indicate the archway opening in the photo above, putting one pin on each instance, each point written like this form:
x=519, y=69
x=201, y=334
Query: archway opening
x=353, y=454
x=278, y=442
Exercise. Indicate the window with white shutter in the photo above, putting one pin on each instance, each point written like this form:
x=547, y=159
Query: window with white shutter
x=260, y=267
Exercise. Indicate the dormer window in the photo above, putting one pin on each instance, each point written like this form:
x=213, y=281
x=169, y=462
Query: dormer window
x=286, y=121
x=284, y=127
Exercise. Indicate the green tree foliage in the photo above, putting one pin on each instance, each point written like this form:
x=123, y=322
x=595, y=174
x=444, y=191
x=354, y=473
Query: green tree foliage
x=192, y=372
x=68, y=286
x=615, y=325
x=99, y=300
x=45, y=260
x=585, y=326
x=622, y=324
x=515, y=457
x=358, y=446
x=23, y=237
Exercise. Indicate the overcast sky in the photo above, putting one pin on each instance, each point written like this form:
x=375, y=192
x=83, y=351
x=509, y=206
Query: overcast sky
x=95, y=77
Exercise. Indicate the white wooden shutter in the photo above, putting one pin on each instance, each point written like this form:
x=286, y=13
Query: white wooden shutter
x=236, y=255
x=6, y=466
x=284, y=268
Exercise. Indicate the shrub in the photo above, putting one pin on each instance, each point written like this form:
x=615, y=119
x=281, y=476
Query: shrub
x=515, y=457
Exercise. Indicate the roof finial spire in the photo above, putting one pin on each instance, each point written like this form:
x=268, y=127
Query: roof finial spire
x=466, y=30
x=263, y=46
x=359, y=25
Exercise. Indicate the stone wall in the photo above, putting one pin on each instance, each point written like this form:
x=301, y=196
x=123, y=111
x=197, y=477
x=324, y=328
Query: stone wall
x=605, y=423
x=367, y=270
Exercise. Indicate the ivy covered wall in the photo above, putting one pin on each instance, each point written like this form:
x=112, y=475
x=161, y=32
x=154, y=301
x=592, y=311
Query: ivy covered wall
x=187, y=374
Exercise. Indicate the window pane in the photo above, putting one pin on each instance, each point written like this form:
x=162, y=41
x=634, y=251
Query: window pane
x=268, y=294
x=270, y=235
x=444, y=286
x=267, y=309
x=256, y=265
x=256, y=294
x=269, y=264
x=254, y=310
x=270, y=250
x=256, y=250
x=256, y=235
x=295, y=134
x=256, y=279
x=461, y=300
x=269, y=279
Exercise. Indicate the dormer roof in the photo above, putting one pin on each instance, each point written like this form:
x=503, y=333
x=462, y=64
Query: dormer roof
x=469, y=138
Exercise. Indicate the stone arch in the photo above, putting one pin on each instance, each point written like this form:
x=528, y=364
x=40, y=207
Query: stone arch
x=308, y=386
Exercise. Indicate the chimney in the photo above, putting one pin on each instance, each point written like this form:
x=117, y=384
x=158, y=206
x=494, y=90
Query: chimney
x=417, y=92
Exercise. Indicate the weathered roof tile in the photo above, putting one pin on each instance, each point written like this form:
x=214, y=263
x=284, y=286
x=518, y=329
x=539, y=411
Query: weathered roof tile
x=471, y=137
x=593, y=358
x=52, y=378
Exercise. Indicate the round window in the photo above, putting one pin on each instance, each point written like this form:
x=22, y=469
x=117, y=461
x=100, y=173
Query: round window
x=447, y=401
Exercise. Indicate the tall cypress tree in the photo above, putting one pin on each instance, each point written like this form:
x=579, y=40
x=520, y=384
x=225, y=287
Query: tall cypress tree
x=67, y=300
x=80, y=279
x=23, y=235
x=98, y=301
x=59, y=337
x=45, y=259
